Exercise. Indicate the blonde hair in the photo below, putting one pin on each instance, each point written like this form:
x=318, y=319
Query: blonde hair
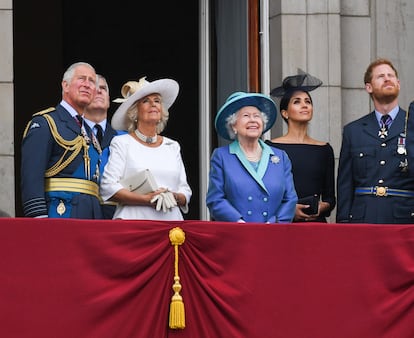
x=132, y=117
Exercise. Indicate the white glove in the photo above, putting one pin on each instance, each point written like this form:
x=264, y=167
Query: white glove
x=159, y=199
x=169, y=200
x=165, y=201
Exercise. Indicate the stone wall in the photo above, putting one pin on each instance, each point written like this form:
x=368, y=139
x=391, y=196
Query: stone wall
x=335, y=40
x=332, y=39
x=6, y=109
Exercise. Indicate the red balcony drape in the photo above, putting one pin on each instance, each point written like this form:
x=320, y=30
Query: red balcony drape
x=81, y=278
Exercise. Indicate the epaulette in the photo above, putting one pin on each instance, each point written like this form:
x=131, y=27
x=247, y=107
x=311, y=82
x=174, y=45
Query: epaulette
x=44, y=111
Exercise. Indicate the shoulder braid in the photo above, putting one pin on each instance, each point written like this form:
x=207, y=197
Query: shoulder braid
x=74, y=146
x=42, y=112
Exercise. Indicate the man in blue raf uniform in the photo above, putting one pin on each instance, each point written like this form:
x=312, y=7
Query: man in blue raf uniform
x=376, y=164
x=96, y=114
x=60, y=163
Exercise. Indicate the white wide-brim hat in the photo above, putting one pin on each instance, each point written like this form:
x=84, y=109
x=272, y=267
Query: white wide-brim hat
x=132, y=91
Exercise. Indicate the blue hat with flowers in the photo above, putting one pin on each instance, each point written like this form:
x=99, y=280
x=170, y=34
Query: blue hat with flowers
x=238, y=100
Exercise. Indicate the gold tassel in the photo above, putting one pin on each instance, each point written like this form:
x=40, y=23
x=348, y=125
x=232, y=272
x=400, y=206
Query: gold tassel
x=177, y=312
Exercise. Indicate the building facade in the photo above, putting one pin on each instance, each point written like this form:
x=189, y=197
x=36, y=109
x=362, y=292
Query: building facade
x=334, y=40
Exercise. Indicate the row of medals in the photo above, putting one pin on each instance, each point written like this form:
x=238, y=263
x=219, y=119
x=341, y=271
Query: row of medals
x=401, y=149
x=61, y=206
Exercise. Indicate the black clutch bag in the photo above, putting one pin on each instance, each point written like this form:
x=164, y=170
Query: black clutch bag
x=312, y=201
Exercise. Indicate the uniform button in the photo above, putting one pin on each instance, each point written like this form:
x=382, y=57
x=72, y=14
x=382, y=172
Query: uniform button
x=383, y=144
x=249, y=212
x=264, y=199
x=264, y=213
x=382, y=162
x=380, y=181
x=249, y=198
x=361, y=154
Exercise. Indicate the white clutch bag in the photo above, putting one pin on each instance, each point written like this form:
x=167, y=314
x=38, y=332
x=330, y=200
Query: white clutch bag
x=141, y=182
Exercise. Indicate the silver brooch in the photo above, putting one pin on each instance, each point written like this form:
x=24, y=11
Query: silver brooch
x=275, y=159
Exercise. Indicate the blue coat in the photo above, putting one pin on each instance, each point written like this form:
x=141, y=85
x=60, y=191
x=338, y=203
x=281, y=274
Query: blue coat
x=237, y=191
x=39, y=152
x=366, y=160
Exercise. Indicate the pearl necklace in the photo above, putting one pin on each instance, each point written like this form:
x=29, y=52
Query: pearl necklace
x=146, y=139
x=255, y=157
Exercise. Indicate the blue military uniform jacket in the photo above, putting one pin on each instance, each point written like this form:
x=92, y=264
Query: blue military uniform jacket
x=41, y=151
x=371, y=166
x=237, y=191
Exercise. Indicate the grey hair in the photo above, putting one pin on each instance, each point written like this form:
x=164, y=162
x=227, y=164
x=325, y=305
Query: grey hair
x=232, y=119
x=132, y=116
x=68, y=75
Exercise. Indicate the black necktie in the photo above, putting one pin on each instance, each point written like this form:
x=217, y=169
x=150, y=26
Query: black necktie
x=99, y=133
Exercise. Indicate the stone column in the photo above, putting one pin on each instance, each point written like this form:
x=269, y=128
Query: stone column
x=6, y=112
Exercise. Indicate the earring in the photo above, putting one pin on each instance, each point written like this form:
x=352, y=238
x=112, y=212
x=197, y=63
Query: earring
x=235, y=132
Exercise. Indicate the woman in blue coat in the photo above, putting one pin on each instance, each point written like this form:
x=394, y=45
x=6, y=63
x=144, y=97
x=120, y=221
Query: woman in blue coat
x=249, y=181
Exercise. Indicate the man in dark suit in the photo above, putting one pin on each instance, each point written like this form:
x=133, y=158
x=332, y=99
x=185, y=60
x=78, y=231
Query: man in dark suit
x=96, y=114
x=376, y=165
x=58, y=171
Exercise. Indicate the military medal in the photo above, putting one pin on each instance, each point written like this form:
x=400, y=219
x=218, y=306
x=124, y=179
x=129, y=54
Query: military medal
x=383, y=132
x=97, y=172
x=404, y=165
x=96, y=144
x=61, y=208
x=401, y=145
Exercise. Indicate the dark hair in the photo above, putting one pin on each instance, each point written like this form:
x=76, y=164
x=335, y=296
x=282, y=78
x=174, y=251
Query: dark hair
x=284, y=101
x=375, y=63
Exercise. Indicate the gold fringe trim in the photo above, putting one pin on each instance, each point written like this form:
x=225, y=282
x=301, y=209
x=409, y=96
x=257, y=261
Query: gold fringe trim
x=177, y=312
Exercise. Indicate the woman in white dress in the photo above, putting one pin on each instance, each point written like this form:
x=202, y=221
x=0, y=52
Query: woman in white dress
x=144, y=113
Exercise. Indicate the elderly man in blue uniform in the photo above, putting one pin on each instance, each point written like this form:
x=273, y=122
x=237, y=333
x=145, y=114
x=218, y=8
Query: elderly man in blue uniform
x=376, y=164
x=60, y=159
x=96, y=114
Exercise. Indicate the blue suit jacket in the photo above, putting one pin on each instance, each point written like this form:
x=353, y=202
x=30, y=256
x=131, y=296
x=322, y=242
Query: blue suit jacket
x=236, y=190
x=366, y=160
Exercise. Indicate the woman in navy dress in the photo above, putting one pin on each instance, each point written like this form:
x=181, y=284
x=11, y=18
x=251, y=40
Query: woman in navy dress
x=313, y=162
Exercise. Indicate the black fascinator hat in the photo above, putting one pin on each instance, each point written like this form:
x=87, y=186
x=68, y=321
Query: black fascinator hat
x=302, y=81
